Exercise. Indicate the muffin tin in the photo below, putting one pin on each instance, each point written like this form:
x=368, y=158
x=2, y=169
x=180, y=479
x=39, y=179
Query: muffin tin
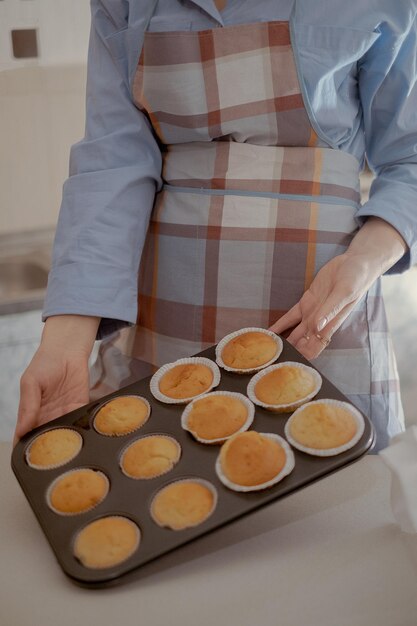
x=132, y=498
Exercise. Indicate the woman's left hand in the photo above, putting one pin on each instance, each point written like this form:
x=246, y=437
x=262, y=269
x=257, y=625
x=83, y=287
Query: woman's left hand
x=332, y=295
x=338, y=287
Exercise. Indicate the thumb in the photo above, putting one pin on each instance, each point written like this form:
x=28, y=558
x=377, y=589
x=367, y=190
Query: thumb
x=29, y=406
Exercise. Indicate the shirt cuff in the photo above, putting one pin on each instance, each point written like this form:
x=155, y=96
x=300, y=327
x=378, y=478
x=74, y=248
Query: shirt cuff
x=93, y=290
x=396, y=221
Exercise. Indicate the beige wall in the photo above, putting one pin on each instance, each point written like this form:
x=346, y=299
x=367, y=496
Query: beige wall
x=42, y=113
x=62, y=30
x=41, y=108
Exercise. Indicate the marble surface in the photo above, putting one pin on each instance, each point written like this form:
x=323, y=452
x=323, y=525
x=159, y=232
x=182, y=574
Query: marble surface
x=20, y=335
x=328, y=555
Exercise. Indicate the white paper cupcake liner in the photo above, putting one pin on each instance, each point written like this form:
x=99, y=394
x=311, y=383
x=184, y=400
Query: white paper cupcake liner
x=329, y=451
x=291, y=406
x=52, y=465
x=222, y=343
x=131, y=443
x=132, y=551
x=130, y=395
x=71, y=514
x=201, y=481
x=287, y=469
x=249, y=405
x=154, y=382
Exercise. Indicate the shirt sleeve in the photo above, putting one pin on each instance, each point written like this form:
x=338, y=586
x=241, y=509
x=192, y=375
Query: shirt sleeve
x=388, y=91
x=107, y=199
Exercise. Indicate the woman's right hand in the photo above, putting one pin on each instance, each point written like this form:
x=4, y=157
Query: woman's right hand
x=56, y=381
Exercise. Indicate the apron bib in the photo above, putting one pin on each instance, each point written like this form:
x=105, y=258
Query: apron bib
x=254, y=203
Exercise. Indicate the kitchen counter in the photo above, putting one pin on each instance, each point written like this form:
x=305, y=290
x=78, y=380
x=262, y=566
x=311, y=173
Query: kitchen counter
x=328, y=555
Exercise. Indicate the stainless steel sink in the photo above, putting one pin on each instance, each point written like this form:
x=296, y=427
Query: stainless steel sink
x=24, y=265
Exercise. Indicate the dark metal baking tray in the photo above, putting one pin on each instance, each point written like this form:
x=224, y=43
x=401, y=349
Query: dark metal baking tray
x=131, y=498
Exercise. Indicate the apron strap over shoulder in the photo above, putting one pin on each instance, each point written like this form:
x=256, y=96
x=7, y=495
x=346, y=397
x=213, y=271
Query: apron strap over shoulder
x=140, y=14
x=126, y=45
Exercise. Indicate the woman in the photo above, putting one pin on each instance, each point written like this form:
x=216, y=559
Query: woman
x=251, y=122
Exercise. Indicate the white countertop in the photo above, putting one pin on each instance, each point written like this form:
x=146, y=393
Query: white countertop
x=328, y=555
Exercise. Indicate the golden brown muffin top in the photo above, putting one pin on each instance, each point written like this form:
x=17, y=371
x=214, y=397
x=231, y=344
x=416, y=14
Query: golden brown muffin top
x=250, y=459
x=54, y=448
x=186, y=380
x=106, y=542
x=150, y=456
x=78, y=491
x=249, y=350
x=217, y=416
x=285, y=385
x=121, y=415
x=183, y=504
x=323, y=426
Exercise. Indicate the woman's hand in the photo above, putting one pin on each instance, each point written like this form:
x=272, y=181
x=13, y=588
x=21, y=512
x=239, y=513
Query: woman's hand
x=56, y=380
x=339, y=285
x=332, y=295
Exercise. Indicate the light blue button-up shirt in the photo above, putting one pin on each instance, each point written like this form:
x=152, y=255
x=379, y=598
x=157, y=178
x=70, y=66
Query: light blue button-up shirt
x=357, y=65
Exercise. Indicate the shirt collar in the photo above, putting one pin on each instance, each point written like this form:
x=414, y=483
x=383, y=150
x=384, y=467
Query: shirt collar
x=209, y=7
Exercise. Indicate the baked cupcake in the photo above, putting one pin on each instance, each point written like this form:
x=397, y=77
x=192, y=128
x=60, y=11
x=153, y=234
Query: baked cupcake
x=150, y=456
x=248, y=350
x=106, y=542
x=77, y=491
x=218, y=415
x=54, y=448
x=184, y=504
x=251, y=461
x=121, y=416
x=184, y=380
x=284, y=387
x=325, y=427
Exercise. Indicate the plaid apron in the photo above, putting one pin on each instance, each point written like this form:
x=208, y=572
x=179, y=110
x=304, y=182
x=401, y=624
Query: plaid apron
x=254, y=203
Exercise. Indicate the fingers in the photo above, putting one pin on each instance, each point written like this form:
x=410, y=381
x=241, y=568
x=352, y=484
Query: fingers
x=29, y=406
x=305, y=319
x=299, y=333
x=288, y=320
x=311, y=344
x=331, y=296
x=316, y=325
x=329, y=310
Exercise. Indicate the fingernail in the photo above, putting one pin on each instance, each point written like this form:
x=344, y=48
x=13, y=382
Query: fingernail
x=321, y=323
